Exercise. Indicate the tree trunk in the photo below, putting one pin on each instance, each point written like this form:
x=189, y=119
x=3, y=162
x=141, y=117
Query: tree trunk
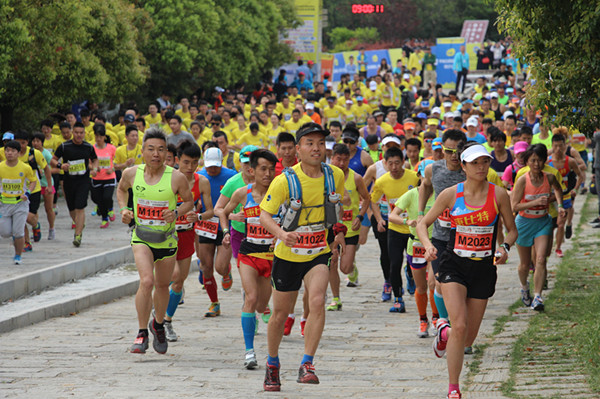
x=6, y=118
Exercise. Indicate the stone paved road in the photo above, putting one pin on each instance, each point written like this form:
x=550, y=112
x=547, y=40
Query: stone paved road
x=366, y=352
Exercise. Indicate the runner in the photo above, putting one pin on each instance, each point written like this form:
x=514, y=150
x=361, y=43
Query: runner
x=565, y=165
x=374, y=172
x=103, y=184
x=255, y=259
x=359, y=160
x=36, y=160
x=154, y=241
x=466, y=269
x=210, y=234
x=286, y=149
x=393, y=185
x=18, y=181
x=352, y=219
x=301, y=250
x=77, y=155
x=48, y=190
x=408, y=205
x=188, y=156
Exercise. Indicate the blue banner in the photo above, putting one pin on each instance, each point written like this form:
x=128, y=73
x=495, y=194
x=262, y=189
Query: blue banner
x=373, y=57
x=444, y=51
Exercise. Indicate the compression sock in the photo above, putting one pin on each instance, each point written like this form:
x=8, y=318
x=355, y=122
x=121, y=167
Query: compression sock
x=157, y=325
x=439, y=303
x=421, y=299
x=248, y=326
x=174, y=299
x=211, y=288
x=273, y=361
x=453, y=387
x=307, y=358
x=434, y=308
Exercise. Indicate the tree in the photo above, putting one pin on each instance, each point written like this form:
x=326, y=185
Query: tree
x=55, y=52
x=560, y=42
x=344, y=39
x=202, y=44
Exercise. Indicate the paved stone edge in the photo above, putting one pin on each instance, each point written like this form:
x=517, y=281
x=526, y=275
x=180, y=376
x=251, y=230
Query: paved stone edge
x=52, y=276
x=70, y=306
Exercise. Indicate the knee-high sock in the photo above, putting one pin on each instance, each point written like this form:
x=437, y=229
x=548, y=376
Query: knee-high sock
x=174, y=298
x=248, y=326
x=434, y=308
x=439, y=302
x=421, y=299
x=211, y=288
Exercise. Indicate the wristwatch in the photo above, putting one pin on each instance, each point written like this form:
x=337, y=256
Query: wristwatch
x=506, y=247
x=360, y=217
x=199, y=216
x=226, y=231
x=59, y=165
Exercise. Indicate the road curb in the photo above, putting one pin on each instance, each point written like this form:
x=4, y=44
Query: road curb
x=53, y=276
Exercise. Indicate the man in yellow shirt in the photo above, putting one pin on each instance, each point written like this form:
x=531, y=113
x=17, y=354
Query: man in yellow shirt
x=284, y=108
x=373, y=96
x=89, y=126
x=302, y=251
x=254, y=137
x=333, y=112
x=184, y=111
x=361, y=112
x=392, y=186
x=51, y=141
x=293, y=124
x=231, y=158
x=18, y=180
x=380, y=122
x=131, y=153
x=153, y=118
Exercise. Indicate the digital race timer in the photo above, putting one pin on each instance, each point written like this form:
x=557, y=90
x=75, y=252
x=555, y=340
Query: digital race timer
x=367, y=8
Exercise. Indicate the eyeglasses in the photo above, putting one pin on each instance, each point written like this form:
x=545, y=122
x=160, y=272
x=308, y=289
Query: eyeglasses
x=450, y=151
x=215, y=124
x=428, y=141
x=349, y=141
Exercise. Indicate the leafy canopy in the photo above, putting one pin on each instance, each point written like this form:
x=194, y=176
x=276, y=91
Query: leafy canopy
x=560, y=40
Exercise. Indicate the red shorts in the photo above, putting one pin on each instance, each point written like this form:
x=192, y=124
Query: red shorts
x=262, y=266
x=185, y=244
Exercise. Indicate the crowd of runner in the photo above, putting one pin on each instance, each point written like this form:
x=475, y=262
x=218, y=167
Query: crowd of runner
x=290, y=180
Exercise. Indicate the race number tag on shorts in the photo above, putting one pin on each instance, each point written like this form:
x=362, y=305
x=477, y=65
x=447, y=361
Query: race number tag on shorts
x=12, y=186
x=474, y=241
x=444, y=219
x=311, y=240
x=104, y=162
x=418, y=253
x=347, y=216
x=77, y=167
x=208, y=228
x=257, y=234
x=150, y=213
x=182, y=223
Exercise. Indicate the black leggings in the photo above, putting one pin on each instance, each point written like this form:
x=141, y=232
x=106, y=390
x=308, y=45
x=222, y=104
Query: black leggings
x=397, y=243
x=102, y=195
x=384, y=259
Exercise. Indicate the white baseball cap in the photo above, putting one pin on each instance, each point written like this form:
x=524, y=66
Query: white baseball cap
x=436, y=110
x=391, y=139
x=447, y=104
x=213, y=157
x=506, y=114
x=494, y=94
x=474, y=152
x=472, y=122
x=373, y=85
x=310, y=106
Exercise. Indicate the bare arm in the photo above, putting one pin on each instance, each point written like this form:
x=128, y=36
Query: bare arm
x=236, y=198
x=517, y=195
x=366, y=159
x=444, y=201
x=206, y=199
x=180, y=186
x=369, y=175
x=508, y=218
x=123, y=195
x=288, y=238
x=555, y=184
x=425, y=190
x=578, y=171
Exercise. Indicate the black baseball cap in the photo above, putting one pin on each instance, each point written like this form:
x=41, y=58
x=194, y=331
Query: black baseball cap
x=308, y=128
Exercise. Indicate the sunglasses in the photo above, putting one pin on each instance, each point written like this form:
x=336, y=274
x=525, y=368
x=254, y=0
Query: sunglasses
x=215, y=124
x=349, y=141
x=450, y=151
x=428, y=141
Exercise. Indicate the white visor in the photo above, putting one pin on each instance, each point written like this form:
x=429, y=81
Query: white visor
x=390, y=139
x=474, y=152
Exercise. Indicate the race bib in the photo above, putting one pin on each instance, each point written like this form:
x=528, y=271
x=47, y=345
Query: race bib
x=12, y=186
x=536, y=210
x=257, y=234
x=181, y=223
x=444, y=219
x=418, y=253
x=392, y=204
x=207, y=228
x=311, y=240
x=104, y=162
x=77, y=167
x=347, y=216
x=474, y=241
x=149, y=213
